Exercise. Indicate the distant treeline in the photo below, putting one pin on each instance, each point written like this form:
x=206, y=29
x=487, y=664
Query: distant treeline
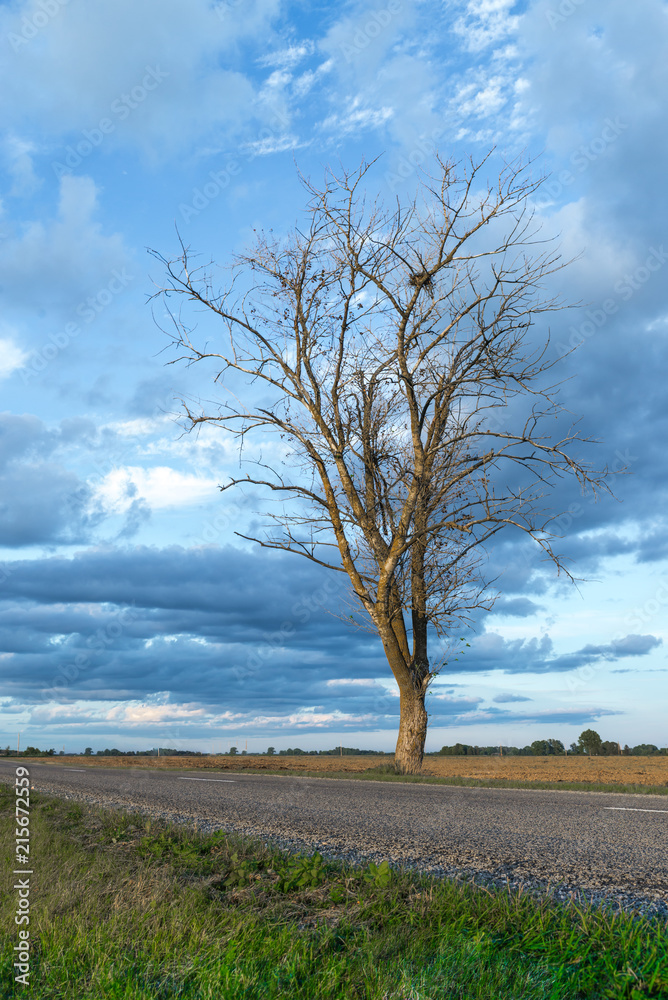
x=162, y=752
x=336, y=752
x=589, y=744
x=170, y=752
x=468, y=750
x=88, y=752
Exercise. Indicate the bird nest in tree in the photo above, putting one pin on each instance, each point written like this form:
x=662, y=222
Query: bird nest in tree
x=421, y=280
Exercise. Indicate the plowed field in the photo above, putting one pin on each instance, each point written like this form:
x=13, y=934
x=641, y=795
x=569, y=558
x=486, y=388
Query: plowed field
x=606, y=770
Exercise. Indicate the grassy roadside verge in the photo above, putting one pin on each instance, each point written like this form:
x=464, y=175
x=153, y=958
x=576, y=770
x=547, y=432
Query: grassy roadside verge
x=386, y=773
x=125, y=908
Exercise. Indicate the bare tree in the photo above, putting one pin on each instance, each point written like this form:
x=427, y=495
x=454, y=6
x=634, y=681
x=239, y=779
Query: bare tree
x=395, y=349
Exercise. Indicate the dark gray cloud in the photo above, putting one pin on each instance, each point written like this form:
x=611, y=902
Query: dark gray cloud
x=564, y=717
x=630, y=645
x=37, y=506
x=248, y=633
x=503, y=698
x=212, y=622
x=491, y=651
x=518, y=607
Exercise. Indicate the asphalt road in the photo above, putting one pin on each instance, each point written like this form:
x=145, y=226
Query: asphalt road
x=595, y=841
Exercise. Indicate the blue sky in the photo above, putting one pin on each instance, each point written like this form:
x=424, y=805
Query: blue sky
x=131, y=615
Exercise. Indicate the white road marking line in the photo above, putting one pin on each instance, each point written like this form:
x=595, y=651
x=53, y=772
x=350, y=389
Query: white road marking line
x=632, y=809
x=231, y=780
x=74, y=769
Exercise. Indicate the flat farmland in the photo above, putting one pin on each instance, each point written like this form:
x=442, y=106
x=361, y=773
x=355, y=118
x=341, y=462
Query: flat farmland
x=597, y=770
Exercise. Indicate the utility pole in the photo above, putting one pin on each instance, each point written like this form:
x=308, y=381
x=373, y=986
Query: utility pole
x=18, y=744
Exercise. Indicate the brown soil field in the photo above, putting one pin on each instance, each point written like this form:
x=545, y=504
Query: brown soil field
x=603, y=770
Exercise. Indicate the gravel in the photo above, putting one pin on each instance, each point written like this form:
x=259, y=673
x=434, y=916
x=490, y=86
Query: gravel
x=564, y=844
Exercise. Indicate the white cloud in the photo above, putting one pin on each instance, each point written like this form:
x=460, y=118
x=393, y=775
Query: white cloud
x=458, y=699
x=11, y=357
x=304, y=83
x=278, y=80
x=159, y=711
x=155, y=710
x=357, y=119
x=386, y=70
x=140, y=427
x=289, y=57
x=273, y=144
x=486, y=22
x=160, y=487
x=353, y=681
x=307, y=718
x=483, y=101
x=141, y=713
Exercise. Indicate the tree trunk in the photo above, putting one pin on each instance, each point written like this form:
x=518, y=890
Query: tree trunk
x=412, y=732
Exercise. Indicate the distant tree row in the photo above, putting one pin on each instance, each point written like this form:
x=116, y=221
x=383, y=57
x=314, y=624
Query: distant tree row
x=162, y=752
x=336, y=752
x=88, y=752
x=538, y=748
x=589, y=744
x=30, y=752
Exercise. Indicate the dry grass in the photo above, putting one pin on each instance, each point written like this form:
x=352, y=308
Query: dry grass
x=600, y=770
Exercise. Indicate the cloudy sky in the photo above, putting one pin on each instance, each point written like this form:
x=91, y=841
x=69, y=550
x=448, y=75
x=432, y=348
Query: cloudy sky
x=131, y=614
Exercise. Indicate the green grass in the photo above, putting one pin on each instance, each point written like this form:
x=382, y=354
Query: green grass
x=386, y=772
x=560, y=786
x=125, y=908
x=381, y=774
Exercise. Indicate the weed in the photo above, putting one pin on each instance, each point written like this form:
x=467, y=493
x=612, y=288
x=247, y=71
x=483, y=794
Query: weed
x=241, y=872
x=380, y=875
x=169, y=846
x=303, y=873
